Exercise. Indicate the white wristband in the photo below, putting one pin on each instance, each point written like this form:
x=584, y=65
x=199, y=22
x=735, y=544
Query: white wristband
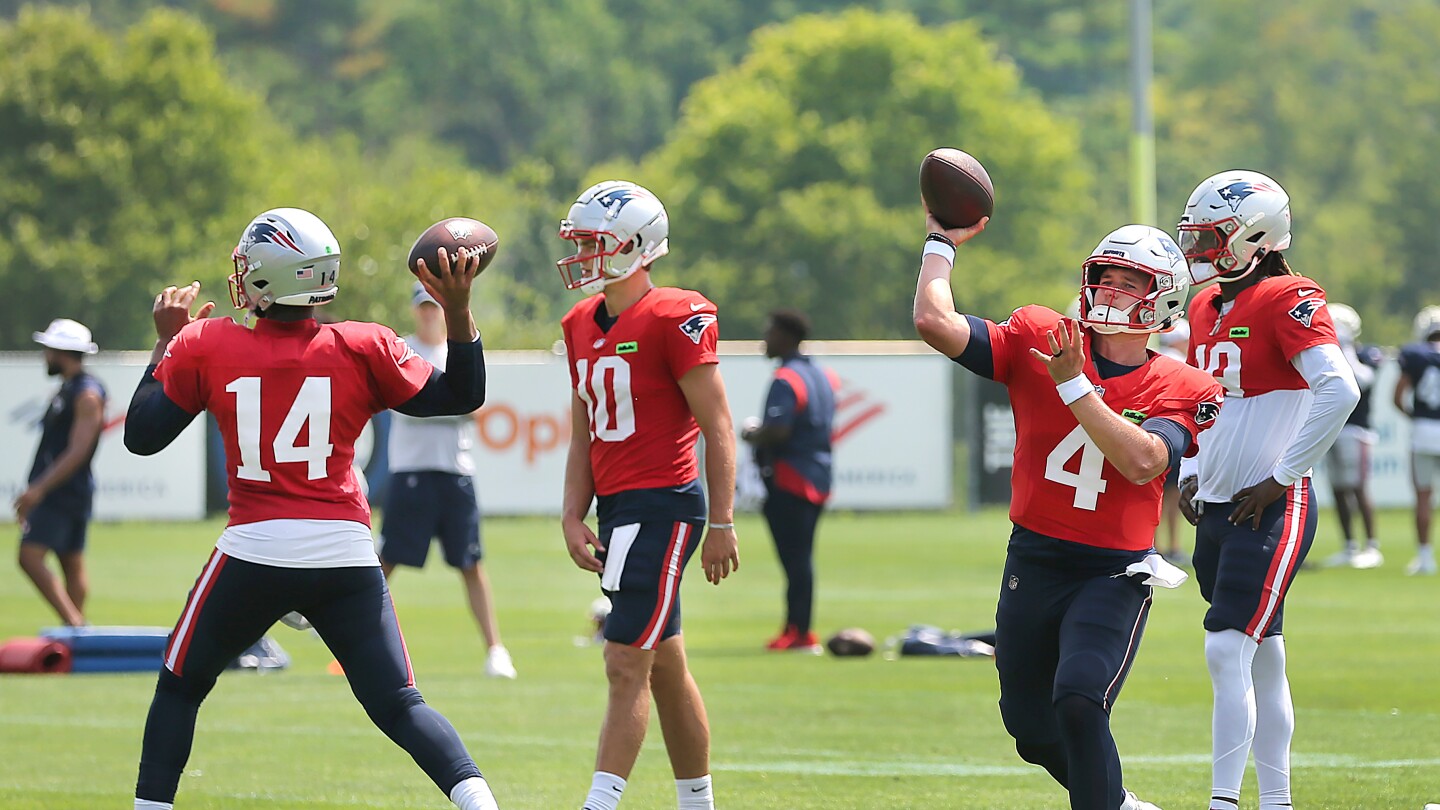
x=934, y=248
x=1073, y=389
x=721, y=525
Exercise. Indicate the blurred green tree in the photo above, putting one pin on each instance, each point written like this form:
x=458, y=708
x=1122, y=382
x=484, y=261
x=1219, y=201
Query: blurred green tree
x=791, y=179
x=118, y=162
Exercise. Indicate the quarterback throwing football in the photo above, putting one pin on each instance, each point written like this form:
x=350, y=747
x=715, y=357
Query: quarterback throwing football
x=1098, y=421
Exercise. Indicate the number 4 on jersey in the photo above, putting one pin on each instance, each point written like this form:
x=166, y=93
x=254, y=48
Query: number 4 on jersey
x=1088, y=482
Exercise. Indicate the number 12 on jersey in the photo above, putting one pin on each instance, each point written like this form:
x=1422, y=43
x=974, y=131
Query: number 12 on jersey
x=605, y=389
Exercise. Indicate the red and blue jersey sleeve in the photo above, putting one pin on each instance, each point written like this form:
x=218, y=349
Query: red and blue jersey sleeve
x=180, y=369
x=399, y=373
x=1301, y=318
x=689, y=329
x=787, y=397
x=1012, y=338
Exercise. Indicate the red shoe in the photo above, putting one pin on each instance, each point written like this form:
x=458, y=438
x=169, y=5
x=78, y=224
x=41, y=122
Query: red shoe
x=792, y=640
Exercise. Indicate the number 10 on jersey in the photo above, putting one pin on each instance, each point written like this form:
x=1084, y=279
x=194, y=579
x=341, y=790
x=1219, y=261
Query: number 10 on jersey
x=605, y=390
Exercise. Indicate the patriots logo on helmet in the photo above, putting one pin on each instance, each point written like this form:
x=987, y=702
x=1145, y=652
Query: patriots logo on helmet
x=1304, y=312
x=694, y=327
x=616, y=198
x=265, y=232
x=1235, y=193
x=1173, y=251
x=1206, y=412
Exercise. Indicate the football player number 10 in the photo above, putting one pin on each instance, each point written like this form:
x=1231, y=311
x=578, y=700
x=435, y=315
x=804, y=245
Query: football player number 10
x=605, y=389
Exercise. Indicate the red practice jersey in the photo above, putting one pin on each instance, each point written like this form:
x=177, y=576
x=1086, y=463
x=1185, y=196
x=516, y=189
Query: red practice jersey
x=642, y=434
x=1250, y=347
x=1062, y=485
x=290, y=400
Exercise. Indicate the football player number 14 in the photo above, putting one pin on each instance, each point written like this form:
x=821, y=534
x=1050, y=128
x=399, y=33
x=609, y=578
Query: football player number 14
x=1088, y=482
x=605, y=389
x=312, y=404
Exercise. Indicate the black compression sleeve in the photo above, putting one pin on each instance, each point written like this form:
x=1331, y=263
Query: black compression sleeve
x=458, y=390
x=153, y=420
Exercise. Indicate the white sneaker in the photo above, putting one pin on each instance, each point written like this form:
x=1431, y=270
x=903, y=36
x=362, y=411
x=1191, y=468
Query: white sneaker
x=498, y=663
x=1133, y=803
x=1368, y=558
x=1340, y=559
x=1420, y=565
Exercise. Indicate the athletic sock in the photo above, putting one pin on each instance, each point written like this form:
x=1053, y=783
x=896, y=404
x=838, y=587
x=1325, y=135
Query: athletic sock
x=1372, y=543
x=605, y=791
x=694, y=794
x=145, y=804
x=473, y=794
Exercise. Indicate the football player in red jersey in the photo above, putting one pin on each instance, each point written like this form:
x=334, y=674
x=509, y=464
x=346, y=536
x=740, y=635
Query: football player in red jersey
x=290, y=397
x=1098, y=421
x=1267, y=336
x=645, y=384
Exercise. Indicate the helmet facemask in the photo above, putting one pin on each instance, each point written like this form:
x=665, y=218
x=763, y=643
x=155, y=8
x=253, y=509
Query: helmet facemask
x=1112, y=310
x=618, y=228
x=1157, y=303
x=1231, y=221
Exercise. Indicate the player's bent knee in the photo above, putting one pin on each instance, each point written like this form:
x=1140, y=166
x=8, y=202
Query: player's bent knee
x=190, y=690
x=1228, y=652
x=386, y=708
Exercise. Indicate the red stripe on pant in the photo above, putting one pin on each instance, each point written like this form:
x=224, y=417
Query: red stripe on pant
x=669, y=585
x=185, y=628
x=1282, y=564
x=404, y=648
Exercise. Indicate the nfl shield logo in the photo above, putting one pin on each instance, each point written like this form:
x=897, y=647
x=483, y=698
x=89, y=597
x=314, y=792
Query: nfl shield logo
x=1014, y=582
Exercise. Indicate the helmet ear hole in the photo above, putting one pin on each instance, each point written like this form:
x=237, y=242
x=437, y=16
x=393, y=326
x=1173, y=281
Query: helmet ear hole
x=1255, y=237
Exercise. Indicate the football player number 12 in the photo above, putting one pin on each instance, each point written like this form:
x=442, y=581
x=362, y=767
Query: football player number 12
x=312, y=404
x=605, y=389
x=1088, y=482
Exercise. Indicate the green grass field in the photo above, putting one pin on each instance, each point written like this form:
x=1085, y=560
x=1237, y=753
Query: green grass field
x=788, y=731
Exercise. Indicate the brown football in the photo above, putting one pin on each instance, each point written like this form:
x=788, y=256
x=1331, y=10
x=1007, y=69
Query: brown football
x=454, y=234
x=852, y=641
x=956, y=188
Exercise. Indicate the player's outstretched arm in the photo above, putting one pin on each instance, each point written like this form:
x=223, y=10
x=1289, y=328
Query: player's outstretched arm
x=579, y=492
x=1138, y=454
x=936, y=319
x=460, y=389
x=705, y=392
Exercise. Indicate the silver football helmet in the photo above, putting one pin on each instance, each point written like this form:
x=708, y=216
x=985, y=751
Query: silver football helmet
x=618, y=227
x=1347, y=321
x=286, y=256
x=1427, y=323
x=1230, y=222
x=1109, y=310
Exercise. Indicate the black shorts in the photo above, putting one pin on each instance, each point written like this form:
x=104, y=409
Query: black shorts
x=60, y=529
x=1244, y=573
x=421, y=506
x=643, y=566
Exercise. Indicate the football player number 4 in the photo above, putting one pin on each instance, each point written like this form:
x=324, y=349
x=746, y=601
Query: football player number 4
x=312, y=405
x=1087, y=483
x=605, y=389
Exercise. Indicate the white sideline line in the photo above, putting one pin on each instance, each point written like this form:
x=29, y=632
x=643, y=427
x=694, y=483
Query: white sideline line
x=893, y=768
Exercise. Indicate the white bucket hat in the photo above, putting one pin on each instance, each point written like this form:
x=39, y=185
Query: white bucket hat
x=67, y=336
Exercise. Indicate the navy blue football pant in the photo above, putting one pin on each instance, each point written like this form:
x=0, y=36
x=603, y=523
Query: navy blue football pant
x=1066, y=632
x=232, y=605
x=792, y=522
x=1244, y=573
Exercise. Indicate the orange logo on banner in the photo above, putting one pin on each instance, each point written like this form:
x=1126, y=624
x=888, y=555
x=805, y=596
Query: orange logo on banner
x=500, y=427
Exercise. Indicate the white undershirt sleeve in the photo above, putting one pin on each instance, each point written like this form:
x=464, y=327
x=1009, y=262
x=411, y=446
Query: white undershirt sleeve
x=1331, y=380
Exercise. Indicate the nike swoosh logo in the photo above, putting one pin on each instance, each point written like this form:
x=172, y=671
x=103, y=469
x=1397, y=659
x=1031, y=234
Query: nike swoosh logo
x=696, y=307
x=1303, y=293
x=697, y=790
